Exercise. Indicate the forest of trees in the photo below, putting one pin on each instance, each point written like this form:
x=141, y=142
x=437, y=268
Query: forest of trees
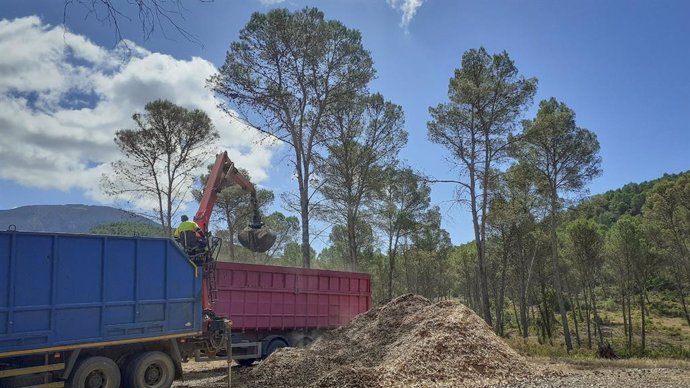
x=545, y=257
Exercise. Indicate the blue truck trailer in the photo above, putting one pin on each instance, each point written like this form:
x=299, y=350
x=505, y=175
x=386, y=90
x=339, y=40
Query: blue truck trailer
x=93, y=311
x=96, y=311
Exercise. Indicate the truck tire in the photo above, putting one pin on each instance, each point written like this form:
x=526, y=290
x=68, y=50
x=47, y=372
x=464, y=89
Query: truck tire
x=274, y=345
x=303, y=342
x=95, y=372
x=246, y=361
x=150, y=370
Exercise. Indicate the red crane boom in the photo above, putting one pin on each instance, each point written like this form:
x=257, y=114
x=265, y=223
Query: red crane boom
x=223, y=174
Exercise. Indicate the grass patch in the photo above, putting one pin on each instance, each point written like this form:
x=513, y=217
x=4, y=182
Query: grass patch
x=532, y=348
x=668, y=335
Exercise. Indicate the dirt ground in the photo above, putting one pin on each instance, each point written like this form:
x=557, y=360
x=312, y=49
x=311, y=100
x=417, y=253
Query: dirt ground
x=614, y=378
x=412, y=342
x=623, y=374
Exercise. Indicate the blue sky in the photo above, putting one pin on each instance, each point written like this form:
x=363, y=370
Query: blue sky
x=621, y=65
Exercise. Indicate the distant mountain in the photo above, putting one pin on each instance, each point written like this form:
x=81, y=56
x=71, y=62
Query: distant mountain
x=66, y=218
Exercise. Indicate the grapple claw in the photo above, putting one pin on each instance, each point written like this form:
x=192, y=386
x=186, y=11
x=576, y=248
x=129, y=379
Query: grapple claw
x=256, y=239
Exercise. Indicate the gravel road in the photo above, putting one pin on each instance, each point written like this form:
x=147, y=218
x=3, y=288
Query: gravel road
x=212, y=375
x=612, y=378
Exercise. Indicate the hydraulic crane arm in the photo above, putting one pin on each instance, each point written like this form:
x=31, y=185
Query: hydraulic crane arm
x=224, y=174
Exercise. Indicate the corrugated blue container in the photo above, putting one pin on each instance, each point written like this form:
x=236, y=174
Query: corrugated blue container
x=61, y=290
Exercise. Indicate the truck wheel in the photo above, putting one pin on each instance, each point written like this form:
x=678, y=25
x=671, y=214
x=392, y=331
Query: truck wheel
x=246, y=361
x=95, y=372
x=303, y=342
x=274, y=345
x=150, y=370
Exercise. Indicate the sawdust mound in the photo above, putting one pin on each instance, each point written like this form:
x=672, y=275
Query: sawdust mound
x=407, y=342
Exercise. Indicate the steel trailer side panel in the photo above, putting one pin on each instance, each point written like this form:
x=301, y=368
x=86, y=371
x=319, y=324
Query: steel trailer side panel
x=261, y=297
x=67, y=289
x=5, y=254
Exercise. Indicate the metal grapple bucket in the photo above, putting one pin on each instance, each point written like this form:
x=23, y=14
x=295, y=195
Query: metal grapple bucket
x=256, y=239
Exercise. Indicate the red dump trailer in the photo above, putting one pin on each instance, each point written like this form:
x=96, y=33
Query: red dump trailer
x=272, y=307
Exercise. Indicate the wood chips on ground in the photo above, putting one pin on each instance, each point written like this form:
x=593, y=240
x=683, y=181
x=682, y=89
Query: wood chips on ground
x=409, y=342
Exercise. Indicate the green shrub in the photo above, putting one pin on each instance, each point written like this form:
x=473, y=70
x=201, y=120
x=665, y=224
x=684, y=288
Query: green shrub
x=609, y=305
x=531, y=348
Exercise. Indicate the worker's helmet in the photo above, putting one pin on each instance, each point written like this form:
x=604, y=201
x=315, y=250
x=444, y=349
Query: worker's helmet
x=185, y=218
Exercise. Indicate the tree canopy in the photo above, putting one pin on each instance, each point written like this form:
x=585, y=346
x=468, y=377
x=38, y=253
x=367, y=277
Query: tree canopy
x=486, y=97
x=364, y=140
x=160, y=157
x=285, y=74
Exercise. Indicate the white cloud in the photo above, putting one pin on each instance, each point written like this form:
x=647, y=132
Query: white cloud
x=270, y=2
x=408, y=9
x=62, y=98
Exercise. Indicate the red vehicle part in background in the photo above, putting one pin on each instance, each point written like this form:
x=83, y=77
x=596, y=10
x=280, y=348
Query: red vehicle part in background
x=254, y=237
x=263, y=297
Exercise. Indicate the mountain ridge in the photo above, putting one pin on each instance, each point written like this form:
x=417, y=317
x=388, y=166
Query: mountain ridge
x=68, y=218
x=607, y=207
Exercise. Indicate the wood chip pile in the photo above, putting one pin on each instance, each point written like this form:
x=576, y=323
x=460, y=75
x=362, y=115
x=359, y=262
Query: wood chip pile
x=407, y=342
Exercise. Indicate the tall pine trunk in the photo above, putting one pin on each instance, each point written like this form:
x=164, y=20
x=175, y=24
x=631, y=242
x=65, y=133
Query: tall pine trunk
x=597, y=320
x=303, y=179
x=523, y=315
x=391, y=271
x=557, y=275
x=546, y=313
x=587, y=317
x=625, y=316
x=517, y=317
x=681, y=294
x=481, y=264
x=643, y=296
x=392, y=253
x=352, y=242
x=629, y=304
x=501, y=297
x=577, y=329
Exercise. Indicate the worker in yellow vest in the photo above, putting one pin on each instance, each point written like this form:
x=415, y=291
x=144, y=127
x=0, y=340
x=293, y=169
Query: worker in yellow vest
x=190, y=226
